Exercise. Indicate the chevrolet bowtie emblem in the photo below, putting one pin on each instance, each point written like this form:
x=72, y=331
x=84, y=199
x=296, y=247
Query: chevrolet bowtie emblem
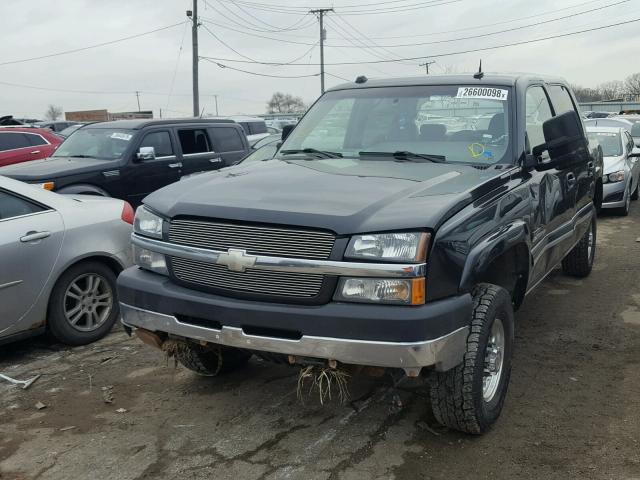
x=236, y=260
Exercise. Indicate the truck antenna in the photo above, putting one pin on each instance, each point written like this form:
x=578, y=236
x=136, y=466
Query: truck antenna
x=479, y=74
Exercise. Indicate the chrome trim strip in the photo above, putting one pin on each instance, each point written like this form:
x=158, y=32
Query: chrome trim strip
x=281, y=264
x=10, y=284
x=445, y=352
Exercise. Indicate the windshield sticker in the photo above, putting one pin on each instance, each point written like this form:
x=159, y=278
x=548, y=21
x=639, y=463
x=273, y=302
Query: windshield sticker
x=483, y=93
x=476, y=150
x=121, y=136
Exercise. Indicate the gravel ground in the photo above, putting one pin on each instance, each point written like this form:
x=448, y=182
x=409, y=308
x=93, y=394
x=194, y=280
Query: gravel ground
x=571, y=412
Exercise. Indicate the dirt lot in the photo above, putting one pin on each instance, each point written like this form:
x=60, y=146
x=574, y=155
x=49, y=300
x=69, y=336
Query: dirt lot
x=572, y=409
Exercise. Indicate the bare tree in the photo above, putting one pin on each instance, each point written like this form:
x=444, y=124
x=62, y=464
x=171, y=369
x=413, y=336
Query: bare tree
x=285, y=103
x=632, y=84
x=53, y=112
x=585, y=94
x=613, y=90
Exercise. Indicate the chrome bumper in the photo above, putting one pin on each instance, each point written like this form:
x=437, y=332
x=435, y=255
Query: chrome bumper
x=443, y=353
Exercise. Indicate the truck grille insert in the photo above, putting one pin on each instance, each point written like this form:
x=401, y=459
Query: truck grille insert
x=276, y=242
x=281, y=284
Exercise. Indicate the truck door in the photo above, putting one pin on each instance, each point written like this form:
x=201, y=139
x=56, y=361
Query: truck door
x=229, y=141
x=198, y=153
x=551, y=191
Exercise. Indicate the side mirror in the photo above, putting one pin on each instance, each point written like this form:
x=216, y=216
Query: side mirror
x=146, y=153
x=565, y=141
x=286, y=130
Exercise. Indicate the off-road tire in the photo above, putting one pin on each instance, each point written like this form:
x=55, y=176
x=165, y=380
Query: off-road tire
x=457, y=395
x=58, y=326
x=206, y=360
x=578, y=262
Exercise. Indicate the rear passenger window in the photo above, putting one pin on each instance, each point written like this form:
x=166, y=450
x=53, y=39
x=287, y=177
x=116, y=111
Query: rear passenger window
x=245, y=127
x=537, y=111
x=561, y=99
x=13, y=140
x=227, y=139
x=36, y=140
x=194, y=141
x=161, y=143
x=257, y=127
x=12, y=206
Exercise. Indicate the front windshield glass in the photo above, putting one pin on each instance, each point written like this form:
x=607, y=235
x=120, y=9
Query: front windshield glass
x=456, y=123
x=102, y=143
x=610, y=142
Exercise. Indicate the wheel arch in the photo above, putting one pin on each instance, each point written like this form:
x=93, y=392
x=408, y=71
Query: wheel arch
x=83, y=188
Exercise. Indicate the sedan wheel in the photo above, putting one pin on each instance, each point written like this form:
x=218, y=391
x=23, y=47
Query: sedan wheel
x=83, y=306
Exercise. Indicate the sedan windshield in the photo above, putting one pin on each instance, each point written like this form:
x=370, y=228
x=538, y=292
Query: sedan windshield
x=610, y=142
x=451, y=123
x=102, y=143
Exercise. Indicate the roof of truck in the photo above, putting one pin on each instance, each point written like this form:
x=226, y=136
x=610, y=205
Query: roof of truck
x=135, y=124
x=488, y=79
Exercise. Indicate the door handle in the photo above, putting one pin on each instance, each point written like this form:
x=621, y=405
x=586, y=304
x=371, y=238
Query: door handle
x=33, y=236
x=215, y=160
x=591, y=168
x=571, y=179
x=35, y=152
x=175, y=165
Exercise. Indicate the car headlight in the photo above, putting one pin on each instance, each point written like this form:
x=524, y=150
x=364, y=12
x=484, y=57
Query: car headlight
x=391, y=247
x=616, y=176
x=405, y=291
x=152, y=261
x=147, y=223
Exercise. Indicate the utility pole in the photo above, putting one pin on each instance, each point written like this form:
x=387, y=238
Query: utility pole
x=193, y=14
x=427, y=65
x=216, y=97
x=138, y=98
x=323, y=34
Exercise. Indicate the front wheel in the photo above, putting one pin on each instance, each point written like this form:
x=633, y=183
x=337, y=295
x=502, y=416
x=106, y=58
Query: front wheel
x=579, y=261
x=469, y=397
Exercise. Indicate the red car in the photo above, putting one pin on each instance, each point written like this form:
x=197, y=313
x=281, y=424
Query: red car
x=21, y=144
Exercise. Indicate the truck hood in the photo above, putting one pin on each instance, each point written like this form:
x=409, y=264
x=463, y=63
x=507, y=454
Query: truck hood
x=55, y=167
x=342, y=195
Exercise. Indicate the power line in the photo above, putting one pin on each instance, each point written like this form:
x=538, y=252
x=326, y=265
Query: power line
x=459, y=52
x=175, y=70
x=206, y=20
x=277, y=29
x=353, y=10
x=259, y=74
x=81, y=49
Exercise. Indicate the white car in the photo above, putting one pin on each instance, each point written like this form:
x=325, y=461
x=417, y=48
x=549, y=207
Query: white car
x=59, y=259
x=621, y=172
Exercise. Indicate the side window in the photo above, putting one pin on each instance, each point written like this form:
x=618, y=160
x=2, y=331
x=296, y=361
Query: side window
x=13, y=140
x=537, y=110
x=36, y=140
x=629, y=139
x=194, y=141
x=245, y=127
x=13, y=206
x=561, y=99
x=161, y=143
x=257, y=127
x=227, y=139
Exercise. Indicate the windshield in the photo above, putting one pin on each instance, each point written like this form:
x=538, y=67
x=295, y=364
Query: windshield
x=102, y=143
x=610, y=142
x=454, y=123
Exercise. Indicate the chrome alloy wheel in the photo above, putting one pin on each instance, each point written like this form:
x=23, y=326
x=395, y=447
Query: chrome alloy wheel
x=493, y=360
x=88, y=302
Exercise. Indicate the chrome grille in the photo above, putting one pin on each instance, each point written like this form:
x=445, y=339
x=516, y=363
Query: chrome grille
x=282, y=284
x=278, y=242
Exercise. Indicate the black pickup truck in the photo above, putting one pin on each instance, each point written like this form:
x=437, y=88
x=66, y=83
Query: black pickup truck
x=400, y=225
x=128, y=159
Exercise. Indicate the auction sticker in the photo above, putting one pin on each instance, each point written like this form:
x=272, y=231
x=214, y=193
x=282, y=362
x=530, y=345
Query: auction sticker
x=121, y=136
x=487, y=93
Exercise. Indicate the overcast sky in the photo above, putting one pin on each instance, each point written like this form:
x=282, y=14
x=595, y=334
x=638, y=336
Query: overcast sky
x=148, y=63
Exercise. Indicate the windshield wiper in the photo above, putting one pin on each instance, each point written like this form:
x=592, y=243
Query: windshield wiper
x=403, y=155
x=313, y=151
x=79, y=156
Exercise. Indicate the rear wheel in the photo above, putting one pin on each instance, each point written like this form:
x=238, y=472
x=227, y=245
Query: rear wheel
x=579, y=261
x=469, y=397
x=83, y=306
x=211, y=361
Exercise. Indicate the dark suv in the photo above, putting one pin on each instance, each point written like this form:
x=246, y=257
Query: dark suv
x=400, y=225
x=129, y=159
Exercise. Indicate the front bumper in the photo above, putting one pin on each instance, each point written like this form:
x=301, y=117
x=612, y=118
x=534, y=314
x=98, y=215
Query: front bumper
x=405, y=337
x=614, y=195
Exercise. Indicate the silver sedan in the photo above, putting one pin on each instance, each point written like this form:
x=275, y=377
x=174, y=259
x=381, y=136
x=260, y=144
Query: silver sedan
x=59, y=259
x=621, y=176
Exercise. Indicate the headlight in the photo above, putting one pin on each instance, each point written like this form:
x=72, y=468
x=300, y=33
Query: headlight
x=153, y=261
x=393, y=247
x=147, y=223
x=409, y=291
x=616, y=176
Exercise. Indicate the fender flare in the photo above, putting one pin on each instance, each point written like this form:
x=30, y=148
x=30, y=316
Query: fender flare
x=83, y=188
x=490, y=247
